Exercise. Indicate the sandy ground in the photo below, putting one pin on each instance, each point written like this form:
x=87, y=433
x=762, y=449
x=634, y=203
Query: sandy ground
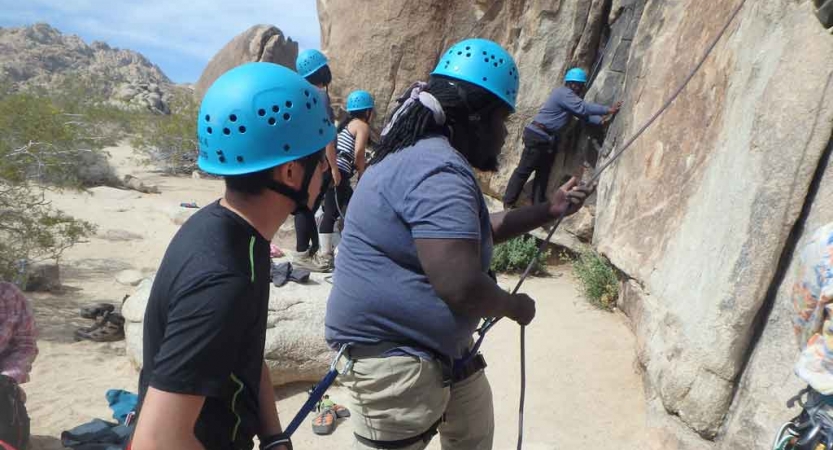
x=583, y=389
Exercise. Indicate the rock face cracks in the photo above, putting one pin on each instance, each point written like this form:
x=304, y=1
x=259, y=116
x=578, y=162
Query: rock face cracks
x=703, y=213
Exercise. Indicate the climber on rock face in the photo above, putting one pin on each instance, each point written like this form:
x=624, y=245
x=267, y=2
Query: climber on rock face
x=204, y=383
x=541, y=136
x=413, y=275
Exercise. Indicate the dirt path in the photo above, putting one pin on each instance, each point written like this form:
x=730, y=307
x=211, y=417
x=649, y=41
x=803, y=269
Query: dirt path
x=583, y=390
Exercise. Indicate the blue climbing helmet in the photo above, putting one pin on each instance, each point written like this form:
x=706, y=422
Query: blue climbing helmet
x=309, y=61
x=258, y=116
x=483, y=63
x=576, y=75
x=359, y=101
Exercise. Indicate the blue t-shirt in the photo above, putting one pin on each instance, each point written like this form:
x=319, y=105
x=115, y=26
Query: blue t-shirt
x=563, y=103
x=380, y=291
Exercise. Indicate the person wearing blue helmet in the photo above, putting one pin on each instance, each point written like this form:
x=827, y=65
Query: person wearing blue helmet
x=351, y=142
x=540, y=137
x=313, y=65
x=413, y=276
x=204, y=383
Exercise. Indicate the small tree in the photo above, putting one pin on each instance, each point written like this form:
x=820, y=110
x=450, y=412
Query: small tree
x=40, y=145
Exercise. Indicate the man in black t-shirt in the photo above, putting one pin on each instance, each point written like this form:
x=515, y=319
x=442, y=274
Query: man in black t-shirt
x=204, y=383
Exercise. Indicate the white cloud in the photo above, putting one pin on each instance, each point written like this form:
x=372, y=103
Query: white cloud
x=196, y=29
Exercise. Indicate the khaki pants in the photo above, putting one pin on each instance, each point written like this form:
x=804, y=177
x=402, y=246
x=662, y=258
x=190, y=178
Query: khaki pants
x=400, y=397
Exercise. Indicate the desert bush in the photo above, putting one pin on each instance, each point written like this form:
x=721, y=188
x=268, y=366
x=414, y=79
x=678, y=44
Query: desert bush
x=516, y=254
x=170, y=141
x=597, y=278
x=41, y=147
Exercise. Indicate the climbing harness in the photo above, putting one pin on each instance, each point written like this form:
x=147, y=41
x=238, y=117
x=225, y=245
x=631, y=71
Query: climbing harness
x=489, y=323
x=812, y=429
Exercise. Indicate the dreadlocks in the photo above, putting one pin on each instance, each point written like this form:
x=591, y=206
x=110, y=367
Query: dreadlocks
x=459, y=101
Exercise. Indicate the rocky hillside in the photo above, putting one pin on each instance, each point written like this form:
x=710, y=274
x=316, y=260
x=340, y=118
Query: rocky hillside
x=41, y=56
x=704, y=213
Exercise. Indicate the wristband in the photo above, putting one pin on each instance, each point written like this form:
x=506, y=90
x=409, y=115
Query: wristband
x=272, y=442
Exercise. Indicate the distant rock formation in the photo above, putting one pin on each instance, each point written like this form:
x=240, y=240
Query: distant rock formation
x=260, y=43
x=39, y=56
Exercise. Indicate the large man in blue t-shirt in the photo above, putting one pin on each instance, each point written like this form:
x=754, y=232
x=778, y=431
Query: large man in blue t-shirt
x=412, y=273
x=541, y=136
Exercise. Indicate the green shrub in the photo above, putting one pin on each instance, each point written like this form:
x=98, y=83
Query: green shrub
x=41, y=147
x=516, y=254
x=170, y=141
x=598, y=281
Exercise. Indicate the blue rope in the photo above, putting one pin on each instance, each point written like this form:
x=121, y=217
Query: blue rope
x=316, y=395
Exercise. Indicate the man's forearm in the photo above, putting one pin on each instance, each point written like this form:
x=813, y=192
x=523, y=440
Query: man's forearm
x=515, y=222
x=270, y=424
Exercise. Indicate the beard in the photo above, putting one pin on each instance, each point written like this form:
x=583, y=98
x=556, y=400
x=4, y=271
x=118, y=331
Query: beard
x=479, y=147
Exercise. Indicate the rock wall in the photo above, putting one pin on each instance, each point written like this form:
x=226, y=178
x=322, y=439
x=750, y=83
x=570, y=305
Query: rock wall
x=700, y=209
x=384, y=46
x=260, y=43
x=703, y=213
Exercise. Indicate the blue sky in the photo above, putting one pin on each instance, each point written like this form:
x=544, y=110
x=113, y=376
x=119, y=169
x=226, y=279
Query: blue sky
x=179, y=36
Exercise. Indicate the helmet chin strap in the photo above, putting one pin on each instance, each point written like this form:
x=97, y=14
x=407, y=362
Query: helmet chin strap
x=299, y=196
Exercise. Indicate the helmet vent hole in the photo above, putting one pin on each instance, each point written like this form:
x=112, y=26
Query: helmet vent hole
x=286, y=116
x=209, y=130
x=261, y=112
x=309, y=105
x=459, y=53
x=207, y=118
x=321, y=131
x=468, y=48
x=306, y=93
x=501, y=60
x=223, y=159
x=286, y=147
x=226, y=131
x=288, y=104
x=468, y=55
x=240, y=159
x=314, y=100
x=232, y=118
x=484, y=53
x=485, y=79
x=495, y=64
x=272, y=121
x=275, y=108
x=219, y=153
x=493, y=56
x=486, y=60
x=242, y=129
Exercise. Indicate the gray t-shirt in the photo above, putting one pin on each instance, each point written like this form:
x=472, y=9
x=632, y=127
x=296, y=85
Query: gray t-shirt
x=380, y=291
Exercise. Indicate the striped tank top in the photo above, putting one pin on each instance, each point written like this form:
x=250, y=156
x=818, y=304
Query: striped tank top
x=346, y=152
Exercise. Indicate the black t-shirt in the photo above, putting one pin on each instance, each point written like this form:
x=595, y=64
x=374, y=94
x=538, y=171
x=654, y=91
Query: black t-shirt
x=205, y=324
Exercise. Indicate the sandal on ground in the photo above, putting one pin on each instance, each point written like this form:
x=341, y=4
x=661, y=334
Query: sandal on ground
x=97, y=310
x=109, y=329
x=324, y=423
x=341, y=412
